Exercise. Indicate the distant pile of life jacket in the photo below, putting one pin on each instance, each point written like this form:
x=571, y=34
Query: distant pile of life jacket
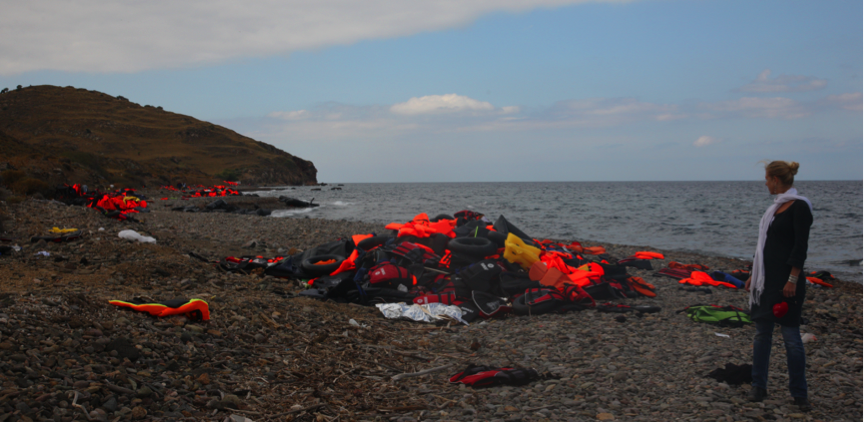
x=465, y=260
x=201, y=191
x=119, y=204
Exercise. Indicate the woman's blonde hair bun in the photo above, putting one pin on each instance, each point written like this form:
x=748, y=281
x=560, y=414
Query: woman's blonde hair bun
x=785, y=171
x=793, y=167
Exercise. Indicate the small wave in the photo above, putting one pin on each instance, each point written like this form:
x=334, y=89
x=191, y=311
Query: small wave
x=291, y=212
x=853, y=262
x=341, y=203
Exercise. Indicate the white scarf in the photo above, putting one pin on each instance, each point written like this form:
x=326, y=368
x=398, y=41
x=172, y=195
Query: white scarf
x=757, y=276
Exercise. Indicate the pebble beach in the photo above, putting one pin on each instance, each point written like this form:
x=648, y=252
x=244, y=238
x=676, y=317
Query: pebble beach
x=268, y=355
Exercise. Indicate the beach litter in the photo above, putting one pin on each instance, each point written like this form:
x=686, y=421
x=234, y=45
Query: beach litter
x=808, y=337
x=421, y=313
x=135, y=236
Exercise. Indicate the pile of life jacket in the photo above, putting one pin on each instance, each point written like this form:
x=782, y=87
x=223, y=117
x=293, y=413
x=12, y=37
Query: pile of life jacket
x=201, y=191
x=467, y=260
x=120, y=204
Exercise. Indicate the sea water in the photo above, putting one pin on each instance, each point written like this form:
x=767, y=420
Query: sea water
x=714, y=218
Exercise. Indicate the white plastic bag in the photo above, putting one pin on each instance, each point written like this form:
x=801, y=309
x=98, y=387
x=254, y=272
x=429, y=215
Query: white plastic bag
x=135, y=236
x=421, y=312
x=807, y=337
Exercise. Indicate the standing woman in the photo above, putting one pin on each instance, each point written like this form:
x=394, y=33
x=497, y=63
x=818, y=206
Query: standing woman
x=776, y=285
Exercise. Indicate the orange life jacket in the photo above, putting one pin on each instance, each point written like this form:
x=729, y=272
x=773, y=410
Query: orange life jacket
x=348, y=263
x=548, y=276
x=642, y=287
x=818, y=281
x=698, y=278
x=648, y=255
x=421, y=227
x=593, y=250
x=691, y=267
x=191, y=307
x=574, y=247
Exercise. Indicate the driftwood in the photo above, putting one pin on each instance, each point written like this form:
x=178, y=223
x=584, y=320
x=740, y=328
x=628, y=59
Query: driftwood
x=310, y=407
x=76, y=405
x=422, y=372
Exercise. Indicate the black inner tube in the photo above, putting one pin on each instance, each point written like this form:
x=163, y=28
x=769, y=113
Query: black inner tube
x=477, y=247
x=310, y=264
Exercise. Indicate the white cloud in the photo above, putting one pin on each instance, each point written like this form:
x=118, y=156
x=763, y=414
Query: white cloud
x=705, y=140
x=131, y=36
x=782, y=84
x=671, y=116
x=848, y=101
x=756, y=107
x=447, y=103
x=453, y=113
x=292, y=115
x=608, y=111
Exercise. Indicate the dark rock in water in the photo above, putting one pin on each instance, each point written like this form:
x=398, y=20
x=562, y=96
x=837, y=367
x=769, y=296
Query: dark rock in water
x=124, y=349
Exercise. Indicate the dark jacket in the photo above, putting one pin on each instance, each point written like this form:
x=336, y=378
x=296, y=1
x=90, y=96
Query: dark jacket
x=785, y=248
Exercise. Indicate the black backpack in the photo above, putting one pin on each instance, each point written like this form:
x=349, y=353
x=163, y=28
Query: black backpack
x=481, y=276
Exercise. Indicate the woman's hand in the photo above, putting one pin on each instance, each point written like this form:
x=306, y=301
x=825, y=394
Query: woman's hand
x=747, y=284
x=789, y=290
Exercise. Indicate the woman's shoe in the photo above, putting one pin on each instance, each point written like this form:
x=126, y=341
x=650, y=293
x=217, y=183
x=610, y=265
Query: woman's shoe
x=802, y=403
x=758, y=394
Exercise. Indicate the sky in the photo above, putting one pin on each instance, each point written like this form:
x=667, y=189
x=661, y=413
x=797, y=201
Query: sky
x=478, y=90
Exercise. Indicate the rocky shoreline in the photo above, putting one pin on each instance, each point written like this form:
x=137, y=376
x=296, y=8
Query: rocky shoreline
x=267, y=355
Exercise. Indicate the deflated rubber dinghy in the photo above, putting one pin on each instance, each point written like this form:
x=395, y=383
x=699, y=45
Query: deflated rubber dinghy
x=293, y=202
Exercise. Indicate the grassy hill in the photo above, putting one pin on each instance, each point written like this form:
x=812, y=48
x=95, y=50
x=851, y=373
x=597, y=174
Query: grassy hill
x=59, y=134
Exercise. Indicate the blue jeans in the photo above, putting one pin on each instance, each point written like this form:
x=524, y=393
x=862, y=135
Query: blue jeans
x=795, y=358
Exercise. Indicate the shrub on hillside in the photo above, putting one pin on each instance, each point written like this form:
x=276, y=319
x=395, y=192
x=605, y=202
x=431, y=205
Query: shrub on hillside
x=9, y=177
x=31, y=186
x=229, y=175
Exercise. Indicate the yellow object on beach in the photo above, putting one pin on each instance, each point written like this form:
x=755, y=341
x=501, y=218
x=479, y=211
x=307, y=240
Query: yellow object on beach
x=517, y=251
x=56, y=230
x=125, y=199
